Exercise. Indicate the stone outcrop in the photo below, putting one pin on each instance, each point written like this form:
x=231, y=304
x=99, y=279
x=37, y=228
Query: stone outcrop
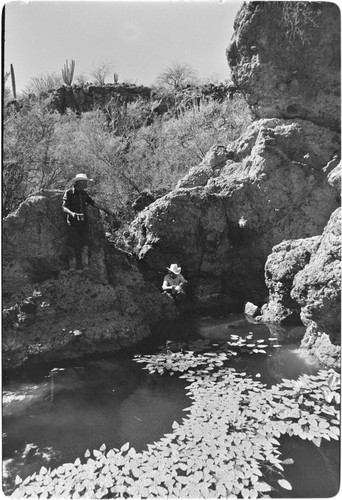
x=251, y=310
x=282, y=265
x=51, y=313
x=304, y=281
x=275, y=187
x=83, y=98
x=89, y=97
x=317, y=288
x=224, y=217
x=35, y=242
x=285, y=58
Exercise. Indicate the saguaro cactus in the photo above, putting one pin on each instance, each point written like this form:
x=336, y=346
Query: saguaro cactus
x=14, y=91
x=116, y=78
x=68, y=72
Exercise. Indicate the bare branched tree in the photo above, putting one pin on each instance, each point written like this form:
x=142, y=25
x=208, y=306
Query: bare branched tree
x=177, y=76
x=101, y=71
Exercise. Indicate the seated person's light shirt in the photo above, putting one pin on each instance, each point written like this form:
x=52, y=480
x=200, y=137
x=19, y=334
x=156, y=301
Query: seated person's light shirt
x=177, y=280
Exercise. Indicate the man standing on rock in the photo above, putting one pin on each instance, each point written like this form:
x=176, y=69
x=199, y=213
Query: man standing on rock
x=75, y=201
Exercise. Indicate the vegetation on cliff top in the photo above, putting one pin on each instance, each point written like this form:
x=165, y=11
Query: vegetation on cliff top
x=126, y=148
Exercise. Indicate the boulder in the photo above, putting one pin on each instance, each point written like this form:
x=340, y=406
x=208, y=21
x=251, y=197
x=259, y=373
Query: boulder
x=223, y=219
x=317, y=288
x=76, y=315
x=285, y=58
x=251, y=310
x=51, y=313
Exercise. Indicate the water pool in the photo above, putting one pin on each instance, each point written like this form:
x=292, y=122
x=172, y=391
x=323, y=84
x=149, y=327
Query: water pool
x=52, y=416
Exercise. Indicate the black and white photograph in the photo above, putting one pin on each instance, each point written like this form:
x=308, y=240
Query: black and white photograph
x=171, y=249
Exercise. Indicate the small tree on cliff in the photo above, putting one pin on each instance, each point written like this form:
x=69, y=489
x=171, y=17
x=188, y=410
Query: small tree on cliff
x=177, y=76
x=101, y=71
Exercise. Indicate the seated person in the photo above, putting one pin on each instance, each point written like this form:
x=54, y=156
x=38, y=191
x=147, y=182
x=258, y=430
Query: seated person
x=174, y=282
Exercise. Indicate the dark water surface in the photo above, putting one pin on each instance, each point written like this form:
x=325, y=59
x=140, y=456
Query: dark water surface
x=52, y=416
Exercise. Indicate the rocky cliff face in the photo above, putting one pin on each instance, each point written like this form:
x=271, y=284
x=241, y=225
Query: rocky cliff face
x=304, y=280
x=35, y=242
x=285, y=58
x=278, y=182
x=51, y=313
x=224, y=217
x=317, y=288
x=282, y=265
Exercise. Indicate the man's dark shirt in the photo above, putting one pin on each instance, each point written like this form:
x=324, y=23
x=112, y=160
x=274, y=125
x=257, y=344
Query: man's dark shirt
x=76, y=201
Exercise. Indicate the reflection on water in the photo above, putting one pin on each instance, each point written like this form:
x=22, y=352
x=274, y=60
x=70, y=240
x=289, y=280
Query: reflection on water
x=285, y=361
x=56, y=416
x=315, y=473
x=73, y=409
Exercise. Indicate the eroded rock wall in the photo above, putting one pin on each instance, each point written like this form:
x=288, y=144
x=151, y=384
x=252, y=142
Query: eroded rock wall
x=224, y=217
x=51, y=313
x=34, y=242
x=285, y=58
x=279, y=183
x=317, y=288
x=282, y=265
x=304, y=281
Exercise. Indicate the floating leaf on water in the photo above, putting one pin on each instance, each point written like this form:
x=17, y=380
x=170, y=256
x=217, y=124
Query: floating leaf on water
x=317, y=441
x=288, y=461
x=60, y=470
x=90, y=463
x=124, y=447
x=284, y=484
x=97, y=453
x=77, y=461
x=18, y=480
x=87, y=454
x=103, y=447
x=262, y=486
x=329, y=396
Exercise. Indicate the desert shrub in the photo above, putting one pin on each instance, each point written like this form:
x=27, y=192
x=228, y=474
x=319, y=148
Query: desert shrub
x=121, y=146
x=29, y=163
x=168, y=148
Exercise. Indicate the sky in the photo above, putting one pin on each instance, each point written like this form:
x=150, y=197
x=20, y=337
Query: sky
x=138, y=39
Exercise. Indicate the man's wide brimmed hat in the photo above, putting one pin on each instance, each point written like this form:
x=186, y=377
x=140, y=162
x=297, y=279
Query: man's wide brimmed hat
x=174, y=269
x=81, y=177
